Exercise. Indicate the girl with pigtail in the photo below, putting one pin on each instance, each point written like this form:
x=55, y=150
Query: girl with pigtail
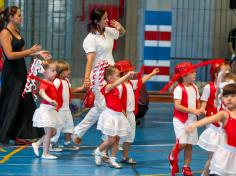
x=46, y=116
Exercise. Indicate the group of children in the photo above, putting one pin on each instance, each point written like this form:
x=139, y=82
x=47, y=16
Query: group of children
x=117, y=121
x=54, y=113
x=218, y=104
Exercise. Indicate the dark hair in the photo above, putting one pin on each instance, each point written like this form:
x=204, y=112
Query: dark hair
x=95, y=17
x=180, y=80
x=109, y=70
x=229, y=89
x=5, y=15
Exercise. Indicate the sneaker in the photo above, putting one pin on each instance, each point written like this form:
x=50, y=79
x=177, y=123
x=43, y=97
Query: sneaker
x=76, y=139
x=54, y=148
x=186, y=171
x=35, y=149
x=128, y=160
x=49, y=157
x=98, y=157
x=114, y=164
x=173, y=167
x=71, y=146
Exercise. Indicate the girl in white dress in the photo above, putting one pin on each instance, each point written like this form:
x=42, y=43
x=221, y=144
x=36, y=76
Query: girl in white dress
x=113, y=121
x=224, y=158
x=46, y=115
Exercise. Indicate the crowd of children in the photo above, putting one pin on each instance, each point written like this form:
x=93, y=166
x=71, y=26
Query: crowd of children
x=217, y=103
x=117, y=121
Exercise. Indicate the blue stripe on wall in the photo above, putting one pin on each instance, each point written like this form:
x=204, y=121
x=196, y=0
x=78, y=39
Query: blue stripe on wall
x=157, y=18
x=162, y=53
x=155, y=86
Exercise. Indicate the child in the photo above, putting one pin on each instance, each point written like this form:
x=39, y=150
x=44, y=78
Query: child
x=63, y=87
x=227, y=79
x=129, y=104
x=186, y=105
x=213, y=135
x=112, y=121
x=224, y=158
x=46, y=115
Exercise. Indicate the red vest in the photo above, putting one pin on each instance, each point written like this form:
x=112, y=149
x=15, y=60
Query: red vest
x=183, y=116
x=230, y=131
x=210, y=106
x=112, y=99
x=136, y=95
x=60, y=92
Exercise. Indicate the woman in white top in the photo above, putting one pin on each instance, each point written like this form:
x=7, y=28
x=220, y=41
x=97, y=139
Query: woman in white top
x=98, y=46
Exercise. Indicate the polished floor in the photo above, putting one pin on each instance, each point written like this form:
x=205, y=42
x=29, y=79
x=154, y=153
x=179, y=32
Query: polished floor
x=153, y=142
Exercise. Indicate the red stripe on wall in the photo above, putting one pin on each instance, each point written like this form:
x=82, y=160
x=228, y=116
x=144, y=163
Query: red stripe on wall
x=156, y=35
x=163, y=70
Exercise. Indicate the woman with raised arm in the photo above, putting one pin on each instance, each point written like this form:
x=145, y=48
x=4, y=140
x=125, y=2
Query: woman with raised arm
x=98, y=46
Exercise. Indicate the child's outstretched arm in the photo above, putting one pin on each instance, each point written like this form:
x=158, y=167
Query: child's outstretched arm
x=44, y=96
x=147, y=77
x=220, y=116
x=109, y=87
x=78, y=89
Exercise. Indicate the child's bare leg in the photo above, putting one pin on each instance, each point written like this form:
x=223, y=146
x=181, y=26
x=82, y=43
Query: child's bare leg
x=114, y=150
x=181, y=147
x=107, y=143
x=206, y=171
x=115, y=145
x=188, y=154
x=104, y=146
x=49, y=132
x=126, y=146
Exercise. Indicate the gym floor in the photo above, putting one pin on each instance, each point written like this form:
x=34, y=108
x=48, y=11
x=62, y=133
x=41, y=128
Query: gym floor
x=154, y=140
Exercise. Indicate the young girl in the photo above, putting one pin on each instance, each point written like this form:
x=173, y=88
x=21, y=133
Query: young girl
x=227, y=79
x=186, y=109
x=129, y=105
x=224, y=158
x=213, y=135
x=64, y=89
x=46, y=115
x=112, y=121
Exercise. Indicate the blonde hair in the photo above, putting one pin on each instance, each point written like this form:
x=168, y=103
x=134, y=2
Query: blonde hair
x=61, y=66
x=47, y=63
x=230, y=76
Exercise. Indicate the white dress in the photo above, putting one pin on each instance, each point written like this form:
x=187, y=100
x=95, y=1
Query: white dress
x=113, y=123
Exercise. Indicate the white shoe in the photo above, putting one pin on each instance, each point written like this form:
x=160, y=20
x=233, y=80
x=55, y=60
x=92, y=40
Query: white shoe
x=35, y=149
x=114, y=164
x=49, y=157
x=98, y=157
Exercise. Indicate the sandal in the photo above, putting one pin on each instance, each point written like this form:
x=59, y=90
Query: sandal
x=128, y=160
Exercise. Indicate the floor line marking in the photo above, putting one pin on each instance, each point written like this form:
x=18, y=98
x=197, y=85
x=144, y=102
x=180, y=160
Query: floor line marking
x=8, y=156
x=2, y=150
x=136, y=145
x=168, y=174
